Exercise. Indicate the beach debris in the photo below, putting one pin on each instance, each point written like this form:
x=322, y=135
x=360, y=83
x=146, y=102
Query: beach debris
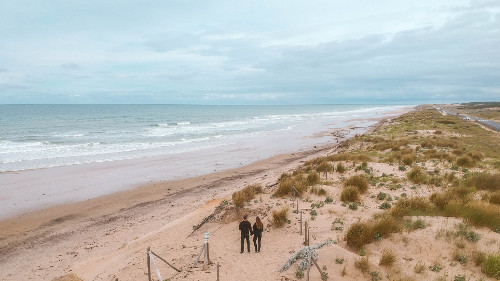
x=307, y=254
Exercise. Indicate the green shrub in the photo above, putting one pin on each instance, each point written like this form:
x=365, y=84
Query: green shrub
x=353, y=206
x=381, y=196
x=491, y=266
x=299, y=273
x=385, y=206
x=349, y=194
x=280, y=217
x=358, y=181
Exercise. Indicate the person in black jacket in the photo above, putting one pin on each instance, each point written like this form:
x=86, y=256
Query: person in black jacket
x=258, y=227
x=246, y=229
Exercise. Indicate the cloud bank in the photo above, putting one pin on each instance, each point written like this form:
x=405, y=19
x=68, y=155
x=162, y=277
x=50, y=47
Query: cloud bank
x=249, y=52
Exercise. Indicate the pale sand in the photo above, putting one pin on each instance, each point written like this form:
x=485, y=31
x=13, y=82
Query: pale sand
x=106, y=237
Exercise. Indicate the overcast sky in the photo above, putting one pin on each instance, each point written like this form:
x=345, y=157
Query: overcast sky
x=249, y=52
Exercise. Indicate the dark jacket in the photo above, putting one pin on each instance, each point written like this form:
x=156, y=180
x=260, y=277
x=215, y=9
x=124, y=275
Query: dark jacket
x=245, y=228
x=256, y=230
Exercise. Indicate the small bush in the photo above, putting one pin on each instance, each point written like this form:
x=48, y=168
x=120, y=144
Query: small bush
x=387, y=258
x=491, y=266
x=478, y=257
x=280, y=217
x=407, y=206
x=324, y=166
x=465, y=161
x=299, y=273
x=495, y=198
x=328, y=200
x=358, y=235
x=358, y=181
x=381, y=196
x=312, y=178
x=484, y=181
x=408, y=159
x=246, y=194
x=353, y=206
x=385, y=206
x=349, y=194
x=362, y=264
x=417, y=175
x=340, y=168
x=440, y=200
x=386, y=225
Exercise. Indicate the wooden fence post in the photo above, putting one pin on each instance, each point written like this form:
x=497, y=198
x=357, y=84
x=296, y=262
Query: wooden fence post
x=305, y=234
x=149, y=264
x=300, y=223
x=218, y=271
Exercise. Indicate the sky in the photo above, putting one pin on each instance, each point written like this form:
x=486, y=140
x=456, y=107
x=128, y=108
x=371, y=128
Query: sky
x=249, y=52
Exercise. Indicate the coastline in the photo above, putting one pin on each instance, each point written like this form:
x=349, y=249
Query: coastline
x=145, y=210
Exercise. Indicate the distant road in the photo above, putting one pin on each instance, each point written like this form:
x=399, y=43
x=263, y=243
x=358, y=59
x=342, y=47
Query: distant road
x=488, y=123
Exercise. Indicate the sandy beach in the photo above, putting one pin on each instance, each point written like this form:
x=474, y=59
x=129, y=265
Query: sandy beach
x=106, y=238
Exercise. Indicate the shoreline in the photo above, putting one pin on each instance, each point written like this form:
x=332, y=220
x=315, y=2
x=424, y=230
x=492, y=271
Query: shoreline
x=29, y=191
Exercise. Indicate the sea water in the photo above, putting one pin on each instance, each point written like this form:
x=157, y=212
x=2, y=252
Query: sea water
x=42, y=136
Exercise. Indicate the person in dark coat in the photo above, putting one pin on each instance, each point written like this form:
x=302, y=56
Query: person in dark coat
x=246, y=230
x=258, y=227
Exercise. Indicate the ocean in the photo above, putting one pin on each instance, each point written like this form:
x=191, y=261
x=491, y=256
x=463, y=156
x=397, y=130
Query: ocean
x=43, y=136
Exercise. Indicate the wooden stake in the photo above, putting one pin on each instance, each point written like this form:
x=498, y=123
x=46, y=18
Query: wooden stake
x=205, y=262
x=308, y=232
x=326, y=172
x=317, y=266
x=208, y=253
x=297, y=205
x=178, y=270
x=305, y=234
x=198, y=257
x=300, y=223
x=149, y=264
x=218, y=271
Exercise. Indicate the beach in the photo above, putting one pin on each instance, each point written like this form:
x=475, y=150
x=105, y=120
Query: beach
x=107, y=237
x=47, y=210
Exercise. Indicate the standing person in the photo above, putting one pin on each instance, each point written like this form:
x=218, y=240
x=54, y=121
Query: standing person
x=246, y=230
x=258, y=227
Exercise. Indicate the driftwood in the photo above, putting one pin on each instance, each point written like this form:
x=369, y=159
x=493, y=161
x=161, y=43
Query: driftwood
x=210, y=218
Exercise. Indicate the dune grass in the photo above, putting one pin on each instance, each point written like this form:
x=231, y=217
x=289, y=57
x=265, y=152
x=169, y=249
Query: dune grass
x=358, y=181
x=246, y=194
x=280, y=217
x=350, y=194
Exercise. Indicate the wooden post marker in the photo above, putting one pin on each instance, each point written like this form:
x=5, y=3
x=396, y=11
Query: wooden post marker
x=205, y=251
x=305, y=234
x=149, y=263
x=218, y=271
x=300, y=223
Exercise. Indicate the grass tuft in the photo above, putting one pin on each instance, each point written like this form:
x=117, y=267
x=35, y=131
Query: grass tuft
x=280, y=217
x=417, y=175
x=246, y=194
x=387, y=258
x=358, y=181
x=350, y=194
x=491, y=266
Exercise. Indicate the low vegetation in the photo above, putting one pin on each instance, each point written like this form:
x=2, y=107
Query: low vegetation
x=280, y=217
x=246, y=194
